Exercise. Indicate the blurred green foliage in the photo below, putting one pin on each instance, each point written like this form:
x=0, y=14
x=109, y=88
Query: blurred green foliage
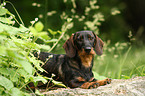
x=119, y=16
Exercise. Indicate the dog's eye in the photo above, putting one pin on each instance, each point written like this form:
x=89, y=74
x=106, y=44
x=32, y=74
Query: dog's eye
x=91, y=38
x=80, y=38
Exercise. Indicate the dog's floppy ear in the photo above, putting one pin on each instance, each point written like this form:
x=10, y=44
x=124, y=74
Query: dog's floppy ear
x=69, y=47
x=98, y=45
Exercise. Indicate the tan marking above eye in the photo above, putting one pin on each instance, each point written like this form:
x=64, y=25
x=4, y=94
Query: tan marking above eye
x=90, y=37
x=80, y=38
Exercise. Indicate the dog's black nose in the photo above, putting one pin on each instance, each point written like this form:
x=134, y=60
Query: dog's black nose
x=87, y=49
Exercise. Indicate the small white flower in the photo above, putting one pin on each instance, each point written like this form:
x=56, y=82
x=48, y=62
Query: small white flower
x=36, y=19
x=50, y=56
x=4, y=3
x=11, y=17
x=34, y=4
x=38, y=5
x=53, y=75
x=32, y=22
x=40, y=16
x=13, y=22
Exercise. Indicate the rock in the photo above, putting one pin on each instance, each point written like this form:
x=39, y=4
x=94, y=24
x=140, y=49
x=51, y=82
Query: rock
x=118, y=87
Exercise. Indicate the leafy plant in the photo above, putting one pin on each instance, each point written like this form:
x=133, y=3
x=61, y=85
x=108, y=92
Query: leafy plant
x=17, y=63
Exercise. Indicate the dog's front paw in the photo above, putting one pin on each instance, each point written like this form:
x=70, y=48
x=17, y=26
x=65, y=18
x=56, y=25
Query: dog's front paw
x=107, y=81
x=94, y=85
x=89, y=85
x=104, y=82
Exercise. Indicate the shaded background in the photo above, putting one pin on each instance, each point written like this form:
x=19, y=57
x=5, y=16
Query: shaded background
x=122, y=58
x=114, y=28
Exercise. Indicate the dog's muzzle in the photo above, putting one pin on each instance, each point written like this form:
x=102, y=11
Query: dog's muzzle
x=87, y=49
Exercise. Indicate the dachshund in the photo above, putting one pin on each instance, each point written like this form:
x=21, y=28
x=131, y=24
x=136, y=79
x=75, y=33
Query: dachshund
x=74, y=68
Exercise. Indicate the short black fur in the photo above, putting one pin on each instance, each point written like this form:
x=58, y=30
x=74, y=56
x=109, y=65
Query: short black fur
x=74, y=68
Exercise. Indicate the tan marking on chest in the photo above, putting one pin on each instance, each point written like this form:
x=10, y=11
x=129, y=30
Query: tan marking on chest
x=86, y=59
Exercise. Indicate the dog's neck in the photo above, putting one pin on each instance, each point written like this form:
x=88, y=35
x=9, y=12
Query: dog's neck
x=86, y=59
x=82, y=62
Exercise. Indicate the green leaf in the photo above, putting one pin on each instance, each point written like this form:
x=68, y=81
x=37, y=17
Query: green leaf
x=2, y=37
x=1, y=28
x=3, y=50
x=2, y=91
x=9, y=29
x=97, y=76
x=38, y=93
x=23, y=28
x=39, y=78
x=39, y=26
x=6, y=83
x=11, y=53
x=26, y=65
x=26, y=94
x=32, y=45
x=59, y=32
x=6, y=20
x=15, y=92
x=45, y=38
x=58, y=83
x=22, y=72
x=13, y=75
x=52, y=32
x=29, y=77
x=45, y=47
x=4, y=71
x=52, y=40
x=43, y=33
x=3, y=11
x=33, y=30
x=10, y=72
x=36, y=63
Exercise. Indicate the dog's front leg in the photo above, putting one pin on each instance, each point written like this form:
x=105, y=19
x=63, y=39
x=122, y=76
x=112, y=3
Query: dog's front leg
x=104, y=82
x=82, y=83
x=95, y=83
x=92, y=83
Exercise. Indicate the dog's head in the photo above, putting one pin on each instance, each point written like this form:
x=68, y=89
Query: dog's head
x=85, y=41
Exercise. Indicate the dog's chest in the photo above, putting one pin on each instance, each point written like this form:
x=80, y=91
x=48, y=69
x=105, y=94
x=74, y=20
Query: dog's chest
x=86, y=60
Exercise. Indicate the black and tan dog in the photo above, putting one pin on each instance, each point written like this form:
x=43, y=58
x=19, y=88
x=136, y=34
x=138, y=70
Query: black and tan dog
x=75, y=68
